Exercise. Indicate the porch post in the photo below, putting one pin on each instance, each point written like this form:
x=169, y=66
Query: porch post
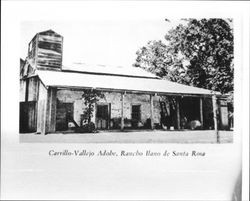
x=94, y=115
x=215, y=117
x=50, y=126
x=152, y=111
x=201, y=111
x=41, y=116
x=122, y=112
x=178, y=112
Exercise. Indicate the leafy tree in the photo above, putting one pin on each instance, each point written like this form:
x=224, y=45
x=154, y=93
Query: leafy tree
x=157, y=57
x=208, y=45
x=198, y=53
x=90, y=97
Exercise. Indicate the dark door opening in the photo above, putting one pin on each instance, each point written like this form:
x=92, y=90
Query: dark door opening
x=166, y=120
x=27, y=117
x=103, y=116
x=136, y=115
x=64, y=113
x=190, y=108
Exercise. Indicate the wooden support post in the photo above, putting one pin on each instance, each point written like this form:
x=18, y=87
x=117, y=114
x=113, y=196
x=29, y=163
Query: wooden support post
x=215, y=117
x=94, y=115
x=109, y=115
x=178, y=113
x=201, y=112
x=27, y=90
x=40, y=117
x=50, y=126
x=122, y=111
x=152, y=111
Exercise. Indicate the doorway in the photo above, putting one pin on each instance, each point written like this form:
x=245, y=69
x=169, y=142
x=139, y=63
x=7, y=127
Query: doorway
x=64, y=113
x=27, y=117
x=136, y=115
x=103, y=116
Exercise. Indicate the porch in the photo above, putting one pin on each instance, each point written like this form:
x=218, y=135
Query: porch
x=134, y=111
x=143, y=104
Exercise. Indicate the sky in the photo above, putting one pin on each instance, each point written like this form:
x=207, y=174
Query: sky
x=106, y=42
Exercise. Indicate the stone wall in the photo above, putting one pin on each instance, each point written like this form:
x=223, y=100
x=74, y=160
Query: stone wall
x=113, y=98
x=75, y=97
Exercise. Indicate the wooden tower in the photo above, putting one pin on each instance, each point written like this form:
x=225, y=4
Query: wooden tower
x=45, y=50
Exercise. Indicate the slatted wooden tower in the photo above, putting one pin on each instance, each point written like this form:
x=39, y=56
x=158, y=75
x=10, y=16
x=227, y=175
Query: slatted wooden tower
x=45, y=50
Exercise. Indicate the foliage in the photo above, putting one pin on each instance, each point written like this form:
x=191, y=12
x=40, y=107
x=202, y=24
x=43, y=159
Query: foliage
x=86, y=128
x=90, y=97
x=89, y=128
x=156, y=57
x=198, y=53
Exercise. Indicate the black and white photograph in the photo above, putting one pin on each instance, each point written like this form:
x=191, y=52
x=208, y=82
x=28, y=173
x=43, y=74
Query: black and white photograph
x=179, y=88
x=127, y=100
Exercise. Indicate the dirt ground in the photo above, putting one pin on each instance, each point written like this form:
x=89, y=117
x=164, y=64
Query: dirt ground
x=208, y=136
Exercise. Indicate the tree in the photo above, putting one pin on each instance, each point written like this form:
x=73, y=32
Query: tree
x=90, y=97
x=208, y=45
x=156, y=57
x=197, y=53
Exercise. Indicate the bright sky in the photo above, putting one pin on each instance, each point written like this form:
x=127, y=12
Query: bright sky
x=108, y=42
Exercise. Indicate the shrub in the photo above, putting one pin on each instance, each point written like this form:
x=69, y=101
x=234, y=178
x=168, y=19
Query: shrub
x=87, y=128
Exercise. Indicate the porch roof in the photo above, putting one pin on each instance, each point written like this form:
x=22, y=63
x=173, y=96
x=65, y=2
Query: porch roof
x=117, y=83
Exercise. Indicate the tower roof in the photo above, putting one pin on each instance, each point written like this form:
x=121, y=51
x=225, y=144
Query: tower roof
x=49, y=32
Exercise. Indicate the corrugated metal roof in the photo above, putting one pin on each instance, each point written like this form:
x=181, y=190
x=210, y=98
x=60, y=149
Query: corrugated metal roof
x=69, y=79
x=108, y=69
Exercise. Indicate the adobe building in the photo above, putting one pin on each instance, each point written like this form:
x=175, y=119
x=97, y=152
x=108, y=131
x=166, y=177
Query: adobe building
x=51, y=95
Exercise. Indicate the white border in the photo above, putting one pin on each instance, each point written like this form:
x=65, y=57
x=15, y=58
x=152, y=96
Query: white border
x=21, y=169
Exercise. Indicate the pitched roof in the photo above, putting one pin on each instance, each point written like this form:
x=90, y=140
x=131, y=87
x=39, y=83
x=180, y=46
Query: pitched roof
x=48, y=32
x=111, y=82
x=108, y=70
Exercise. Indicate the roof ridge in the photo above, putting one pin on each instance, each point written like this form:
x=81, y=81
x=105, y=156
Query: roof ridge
x=107, y=69
x=103, y=73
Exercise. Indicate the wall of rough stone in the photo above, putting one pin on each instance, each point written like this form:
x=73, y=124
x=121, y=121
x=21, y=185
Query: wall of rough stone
x=69, y=96
x=116, y=104
x=75, y=97
x=114, y=99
